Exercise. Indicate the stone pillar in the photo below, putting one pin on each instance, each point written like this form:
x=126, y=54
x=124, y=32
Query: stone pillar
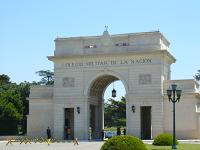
x=132, y=118
x=58, y=121
x=101, y=114
x=86, y=118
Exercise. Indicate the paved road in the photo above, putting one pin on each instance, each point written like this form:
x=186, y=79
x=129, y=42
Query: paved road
x=83, y=145
x=52, y=146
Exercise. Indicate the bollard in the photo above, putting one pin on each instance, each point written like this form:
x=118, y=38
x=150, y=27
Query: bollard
x=9, y=142
x=48, y=141
x=75, y=141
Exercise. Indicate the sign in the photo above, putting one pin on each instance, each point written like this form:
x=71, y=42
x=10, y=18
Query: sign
x=108, y=63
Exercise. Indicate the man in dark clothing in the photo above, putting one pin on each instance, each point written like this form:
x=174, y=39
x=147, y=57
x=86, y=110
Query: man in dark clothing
x=48, y=133
x=124, y=131
x=118, y=131
x=102, y=134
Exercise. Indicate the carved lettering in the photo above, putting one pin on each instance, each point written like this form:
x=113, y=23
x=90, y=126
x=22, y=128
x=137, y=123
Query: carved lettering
x=124, y=62
x=113, y=62
x=108, y=63
x=132, y=61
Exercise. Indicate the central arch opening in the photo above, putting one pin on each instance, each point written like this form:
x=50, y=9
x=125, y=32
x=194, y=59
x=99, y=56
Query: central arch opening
x=100, y=93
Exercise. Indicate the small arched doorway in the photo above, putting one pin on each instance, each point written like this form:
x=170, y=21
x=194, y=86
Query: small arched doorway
x=96, y=100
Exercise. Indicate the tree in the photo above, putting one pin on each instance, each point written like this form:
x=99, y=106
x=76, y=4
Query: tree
x=13, y=105
x=24, y=88
x=115, y=112
x=4, y=79
x=10, y=102
x=47, y=77
x=197, y=76
x=11, y=109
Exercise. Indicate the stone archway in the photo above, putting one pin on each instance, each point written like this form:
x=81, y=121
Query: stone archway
x=84, y=67
x=96, y=102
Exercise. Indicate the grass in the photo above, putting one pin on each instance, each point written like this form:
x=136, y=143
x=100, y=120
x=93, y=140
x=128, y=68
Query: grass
x=113, y=128
x=110, y=129
x=180, y=147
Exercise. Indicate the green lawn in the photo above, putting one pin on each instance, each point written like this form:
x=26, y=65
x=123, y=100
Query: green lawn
x=113, y=128
x=180, y=147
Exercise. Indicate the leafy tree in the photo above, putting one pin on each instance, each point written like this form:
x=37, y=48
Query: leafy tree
x=13, y=105
x=4, y=79
x=115, y=112
x=47, y=77
x=11, y=108
x=36, y=83
x=197, y=76
x=10, y=102
x=24, y=88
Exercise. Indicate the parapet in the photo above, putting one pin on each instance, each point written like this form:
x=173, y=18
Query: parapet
x=109, y=44
x=189, y=86
x=41, y=92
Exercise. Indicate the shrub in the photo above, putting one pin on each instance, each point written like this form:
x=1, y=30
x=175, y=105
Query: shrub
x=126, y=142
x=164, y=139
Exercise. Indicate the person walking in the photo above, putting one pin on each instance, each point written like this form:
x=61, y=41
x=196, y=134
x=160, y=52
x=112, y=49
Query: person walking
x=68, y=133
x=118, y=131
x=48, y=133
x=102, y=135
x=124, y=131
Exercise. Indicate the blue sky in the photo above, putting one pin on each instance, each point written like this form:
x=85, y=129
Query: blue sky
x=28, y=29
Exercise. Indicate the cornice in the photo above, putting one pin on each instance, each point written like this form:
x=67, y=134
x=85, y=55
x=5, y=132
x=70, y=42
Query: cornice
x=166, y=52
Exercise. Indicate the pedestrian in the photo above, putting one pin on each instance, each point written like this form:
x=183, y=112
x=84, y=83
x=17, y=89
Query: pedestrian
x=102, y=135
x=118, y=131
x=48, y=133
x=90, y=134
x=68, y=133
x=124, y=131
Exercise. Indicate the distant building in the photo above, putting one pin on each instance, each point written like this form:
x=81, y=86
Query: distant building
x=85, y=66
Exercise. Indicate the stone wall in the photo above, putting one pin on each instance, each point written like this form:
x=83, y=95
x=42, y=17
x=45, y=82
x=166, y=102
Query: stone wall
x=40, y=111
x=187, y=118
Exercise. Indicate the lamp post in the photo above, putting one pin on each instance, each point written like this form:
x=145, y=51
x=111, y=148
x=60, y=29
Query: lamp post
x=174, y=96
x=114, y=93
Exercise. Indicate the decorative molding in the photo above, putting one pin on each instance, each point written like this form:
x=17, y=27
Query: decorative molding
x=68, y=82
x=145, y=79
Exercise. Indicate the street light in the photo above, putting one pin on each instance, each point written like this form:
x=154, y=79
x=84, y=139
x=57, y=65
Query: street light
x=114, y=93
x=174, y=96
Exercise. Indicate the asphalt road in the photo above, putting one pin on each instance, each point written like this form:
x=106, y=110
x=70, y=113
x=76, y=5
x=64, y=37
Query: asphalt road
x=53, y=146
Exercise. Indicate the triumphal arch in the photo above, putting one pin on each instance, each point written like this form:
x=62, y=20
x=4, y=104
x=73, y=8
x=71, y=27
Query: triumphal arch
x=85, y=66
